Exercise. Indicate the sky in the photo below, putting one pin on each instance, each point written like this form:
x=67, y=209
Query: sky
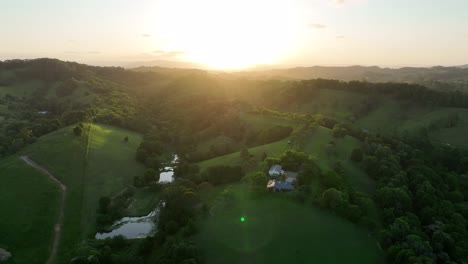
x=237, y=34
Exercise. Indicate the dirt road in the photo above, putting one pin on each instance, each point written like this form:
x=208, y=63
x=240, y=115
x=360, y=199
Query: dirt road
x=58, y=224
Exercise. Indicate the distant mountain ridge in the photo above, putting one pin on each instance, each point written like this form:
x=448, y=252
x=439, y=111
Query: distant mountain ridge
x=366, y=73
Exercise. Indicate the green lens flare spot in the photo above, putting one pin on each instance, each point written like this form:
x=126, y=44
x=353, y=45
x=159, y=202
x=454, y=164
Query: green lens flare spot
x=242, y=219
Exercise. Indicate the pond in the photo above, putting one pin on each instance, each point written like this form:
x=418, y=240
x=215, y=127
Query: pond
x=167, y=174
x=140, y=227
x=132, y=227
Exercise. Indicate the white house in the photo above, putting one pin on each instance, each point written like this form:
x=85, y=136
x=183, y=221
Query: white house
x=275, y=170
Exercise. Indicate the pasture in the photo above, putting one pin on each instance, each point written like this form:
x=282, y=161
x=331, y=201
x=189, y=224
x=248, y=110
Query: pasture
x=97, y=163
x=277, y=230
x=28, y=206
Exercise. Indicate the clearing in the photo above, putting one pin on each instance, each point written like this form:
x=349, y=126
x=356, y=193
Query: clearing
x=277, y=230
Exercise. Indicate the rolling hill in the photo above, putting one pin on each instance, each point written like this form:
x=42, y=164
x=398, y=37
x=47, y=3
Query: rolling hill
x=98, y=163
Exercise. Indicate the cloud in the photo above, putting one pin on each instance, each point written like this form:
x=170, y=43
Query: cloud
x=161, y=54
x=317, y=26
x=340, y=37
x=82, y=52
x=339, y=2
x=146, y=35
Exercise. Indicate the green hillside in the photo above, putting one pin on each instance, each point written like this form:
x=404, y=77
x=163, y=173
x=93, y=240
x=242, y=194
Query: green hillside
x=29, y=205
x=110, y=166
x=277, y=230
x=96, y=164
x=318, y=145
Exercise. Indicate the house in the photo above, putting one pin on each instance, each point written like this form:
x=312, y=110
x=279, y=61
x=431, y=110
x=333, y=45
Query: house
x=276, y=186
x=275, y=170
x=290, y=176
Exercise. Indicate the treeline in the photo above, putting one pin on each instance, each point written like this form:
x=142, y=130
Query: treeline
x=301, y=91
x=422, y=196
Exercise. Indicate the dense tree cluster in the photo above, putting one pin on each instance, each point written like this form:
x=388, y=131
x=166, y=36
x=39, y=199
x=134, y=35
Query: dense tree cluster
x=421, y=200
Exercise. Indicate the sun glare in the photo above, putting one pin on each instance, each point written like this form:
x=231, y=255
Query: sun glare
x=226, y=34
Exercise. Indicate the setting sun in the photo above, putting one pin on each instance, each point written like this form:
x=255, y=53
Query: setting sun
x=222, y=35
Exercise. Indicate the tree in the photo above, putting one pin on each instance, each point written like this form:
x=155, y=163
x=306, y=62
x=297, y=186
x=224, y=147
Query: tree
x=126, y=139
x=138, y=181
x=104, y=203
x=258, y=181
x=356, y=155
x=333, y=199
x=245, y=155
x=331, y=179
x=77, y=130
x=292, y=160
x=339, y=131
x=151, y=175
x=338, y=168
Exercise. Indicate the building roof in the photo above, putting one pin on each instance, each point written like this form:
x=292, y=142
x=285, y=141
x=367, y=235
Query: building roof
x=290, y=176
x=271, y=184
x=275, y=170
x=284, y=186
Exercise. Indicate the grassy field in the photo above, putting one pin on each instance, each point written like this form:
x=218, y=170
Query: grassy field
x=277, y=230
x=20, y=88
x=111, y=166
x=333, y=103
x=316, y=145
x=393, y=118
x=258, y=121
x=63, y=154
x=28, y=207
x=97, y=163
x=455, y=136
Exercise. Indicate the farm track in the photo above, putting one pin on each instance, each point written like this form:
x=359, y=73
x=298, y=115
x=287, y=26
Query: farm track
x=59, y=222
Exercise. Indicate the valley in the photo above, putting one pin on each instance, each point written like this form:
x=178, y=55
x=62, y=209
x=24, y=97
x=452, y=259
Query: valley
x=185, y=154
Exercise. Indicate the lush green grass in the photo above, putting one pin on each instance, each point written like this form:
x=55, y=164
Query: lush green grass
x=397, y=117
x=272, y=150
x=20, y=88
x=393, y=117
x=63, y=154
x=103, y=166
x=334, y=103
x=29, y=204
x=455, y=136
x=277, y=230
x=316, y=145
x=259, y=122
x=144, y=201
x=262, y=122
x=205, y=146
x=111, y=166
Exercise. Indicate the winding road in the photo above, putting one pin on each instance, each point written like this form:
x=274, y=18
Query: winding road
x=59, y=223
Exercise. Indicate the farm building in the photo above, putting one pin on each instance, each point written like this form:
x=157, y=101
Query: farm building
x=275, y=170
x=276, y=186
x=290, y=176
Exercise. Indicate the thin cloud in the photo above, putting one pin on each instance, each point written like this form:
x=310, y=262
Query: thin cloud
x=161, y=54
x=317, y=26
x=340, y=37
x=146, y=35
x=82, y=52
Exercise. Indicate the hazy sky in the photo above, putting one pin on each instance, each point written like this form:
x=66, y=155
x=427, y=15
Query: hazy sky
x=238, y=33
